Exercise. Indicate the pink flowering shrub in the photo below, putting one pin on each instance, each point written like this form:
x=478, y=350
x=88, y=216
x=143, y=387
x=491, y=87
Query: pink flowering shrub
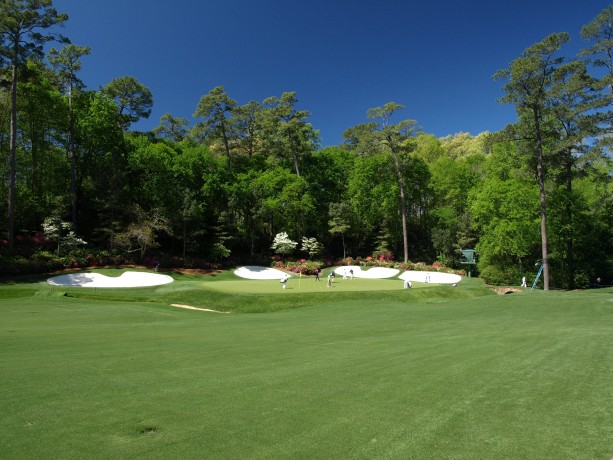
x=383, y=256
x=347, y=261
x=306, y=267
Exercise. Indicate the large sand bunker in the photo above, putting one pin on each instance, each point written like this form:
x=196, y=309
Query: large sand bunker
x=260, y=273
x=373, y=273
x=97, y=280
x=430, y=277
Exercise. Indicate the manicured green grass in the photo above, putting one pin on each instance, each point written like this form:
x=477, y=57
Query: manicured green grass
x=430, y=372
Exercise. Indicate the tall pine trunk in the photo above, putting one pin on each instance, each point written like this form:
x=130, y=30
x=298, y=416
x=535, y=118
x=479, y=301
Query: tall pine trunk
x=403, y=206
x=12, y=157
x=541, y=179
x=73, y=159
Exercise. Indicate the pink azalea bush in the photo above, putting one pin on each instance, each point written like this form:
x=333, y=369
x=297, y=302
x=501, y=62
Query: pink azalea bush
x=306, y=267
x=382, y=259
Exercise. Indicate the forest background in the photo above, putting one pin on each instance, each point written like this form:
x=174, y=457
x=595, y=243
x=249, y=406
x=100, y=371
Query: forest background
x=84, y=188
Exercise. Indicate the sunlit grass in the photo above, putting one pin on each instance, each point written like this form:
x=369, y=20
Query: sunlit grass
x=433, y=372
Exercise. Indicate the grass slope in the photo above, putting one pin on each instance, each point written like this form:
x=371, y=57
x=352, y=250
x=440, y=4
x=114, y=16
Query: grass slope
x=380, y=374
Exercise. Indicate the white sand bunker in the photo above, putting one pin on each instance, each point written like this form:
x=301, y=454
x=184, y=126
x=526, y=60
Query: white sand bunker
x=430, y=277
x=259, y=273
x=189, y=307
x=374, y=273
x=97, y=280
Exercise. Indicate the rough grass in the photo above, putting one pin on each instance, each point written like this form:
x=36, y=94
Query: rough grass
x=421, y=373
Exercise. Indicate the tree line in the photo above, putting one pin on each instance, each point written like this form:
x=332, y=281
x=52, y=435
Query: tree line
x=223, y=186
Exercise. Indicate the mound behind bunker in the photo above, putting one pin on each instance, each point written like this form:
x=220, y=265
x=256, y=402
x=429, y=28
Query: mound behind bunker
x=97, y=280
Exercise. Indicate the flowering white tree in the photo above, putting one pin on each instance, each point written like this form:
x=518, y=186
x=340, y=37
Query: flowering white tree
x=61, y=232
x=282, y=244
x=310, y=245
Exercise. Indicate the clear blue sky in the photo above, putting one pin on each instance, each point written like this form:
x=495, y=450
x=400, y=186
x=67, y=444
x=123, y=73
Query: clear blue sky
x=342, y=57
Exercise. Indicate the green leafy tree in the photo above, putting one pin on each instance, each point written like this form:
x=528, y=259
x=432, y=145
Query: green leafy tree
x=327, y=173
x=149, y=178
x=41, y=165
x=577, y=116
x=284, y=201
x=593, y=218
x=244, y=199
x=393, y=140
x=428, y=147
x=101, y=168
x=190, y=213
x=599, y=32
x=67, y=64
x=455, y=171
x=133, y=99
x=340, y=221
x=506, y=214
x=528, y=82
x=172, y=128
x=373, y=194
x=287, y=134
x=247, y=121
x=219, y=249
x=193, y=200
x=23, y=32
x=214, y=109
x=451, y=183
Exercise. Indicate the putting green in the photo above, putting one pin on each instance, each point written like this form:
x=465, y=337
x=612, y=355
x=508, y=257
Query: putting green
x=296, y=285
